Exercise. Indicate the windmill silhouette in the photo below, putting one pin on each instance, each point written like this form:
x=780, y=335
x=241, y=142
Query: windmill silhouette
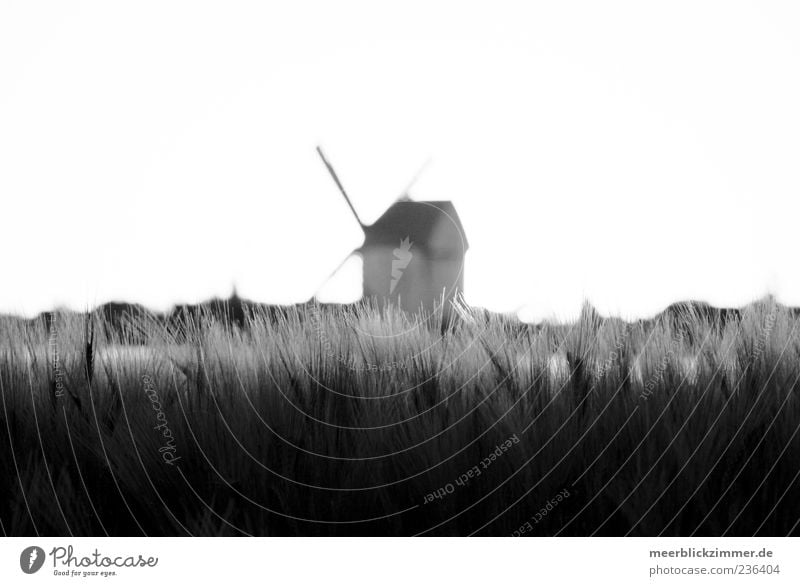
x=413, y=255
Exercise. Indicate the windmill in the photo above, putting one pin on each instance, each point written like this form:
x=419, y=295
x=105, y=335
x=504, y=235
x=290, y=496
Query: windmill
x=413, y=255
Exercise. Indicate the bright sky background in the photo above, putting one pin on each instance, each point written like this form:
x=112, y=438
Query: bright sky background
x=629, y=153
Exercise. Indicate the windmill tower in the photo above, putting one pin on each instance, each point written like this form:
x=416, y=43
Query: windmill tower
x=413, y=255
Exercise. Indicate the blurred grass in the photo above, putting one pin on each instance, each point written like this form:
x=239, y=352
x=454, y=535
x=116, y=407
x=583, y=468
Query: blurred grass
x=333, y=421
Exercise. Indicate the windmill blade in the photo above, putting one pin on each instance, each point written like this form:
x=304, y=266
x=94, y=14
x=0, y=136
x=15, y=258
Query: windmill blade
x=339, y=185
x=404, y=194
x=330, y=276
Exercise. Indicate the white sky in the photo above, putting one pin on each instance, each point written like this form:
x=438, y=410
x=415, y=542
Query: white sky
x=628, y=153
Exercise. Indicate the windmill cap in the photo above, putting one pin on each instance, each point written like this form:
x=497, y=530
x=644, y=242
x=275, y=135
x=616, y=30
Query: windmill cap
x=433, y=225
